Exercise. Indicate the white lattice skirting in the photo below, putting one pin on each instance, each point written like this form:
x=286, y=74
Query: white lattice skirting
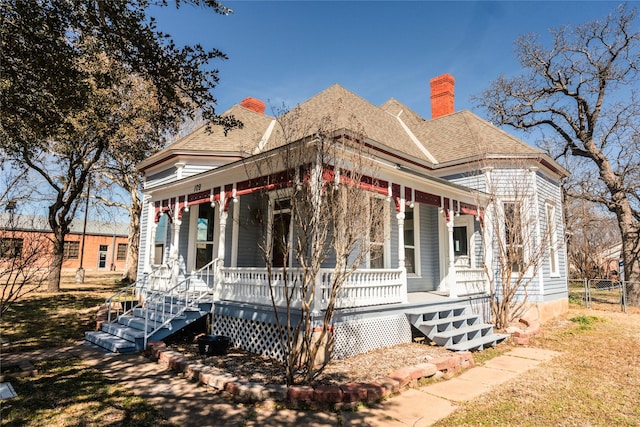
x=351, y=338
x=360, y=336
x=250, y=335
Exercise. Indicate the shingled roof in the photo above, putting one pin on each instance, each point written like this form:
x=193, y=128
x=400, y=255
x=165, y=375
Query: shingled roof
x=453, y=137
x=240, y=142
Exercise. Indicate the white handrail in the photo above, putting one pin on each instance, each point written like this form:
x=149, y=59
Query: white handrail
x=175, y=300
x=125, y=300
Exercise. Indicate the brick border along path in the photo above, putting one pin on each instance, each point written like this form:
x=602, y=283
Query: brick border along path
x=338, y=396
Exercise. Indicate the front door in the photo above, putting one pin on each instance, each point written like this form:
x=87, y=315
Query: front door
x=281, y=225
x=102, y=256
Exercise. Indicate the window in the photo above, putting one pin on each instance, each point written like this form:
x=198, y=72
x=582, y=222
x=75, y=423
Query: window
x=377, y=220
x=409, y=241
x=11, y=248
x=460, y=241
x=205, y=235
x=71, y=250
x=160, y=237
x=552, y=239
x=513, y=241
x=121, y=255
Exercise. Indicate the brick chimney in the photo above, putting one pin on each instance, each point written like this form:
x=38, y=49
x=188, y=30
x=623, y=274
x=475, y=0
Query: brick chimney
x=253, y=105
x=442, y=95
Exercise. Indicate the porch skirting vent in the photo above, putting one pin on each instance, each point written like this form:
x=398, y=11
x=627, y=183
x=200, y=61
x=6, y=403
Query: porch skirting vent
x=359, y=336
x=351, y=338
x=251, y=335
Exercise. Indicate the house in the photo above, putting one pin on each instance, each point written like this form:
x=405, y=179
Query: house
x=104, y=248
x=211, y=206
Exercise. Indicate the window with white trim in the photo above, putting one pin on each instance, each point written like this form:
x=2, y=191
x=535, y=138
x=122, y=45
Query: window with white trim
x=409, y=241
x=205, y=235
x=552, y=239
x=513, y=237
x=378, y=214
x=281, y=232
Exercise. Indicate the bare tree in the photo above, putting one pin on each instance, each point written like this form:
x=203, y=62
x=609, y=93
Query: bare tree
x=322, y=219
x=589, y=232
x=518, y=240
x=23, y=259
x=584, y=90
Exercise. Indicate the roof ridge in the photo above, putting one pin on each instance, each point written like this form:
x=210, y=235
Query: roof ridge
x=415, y=140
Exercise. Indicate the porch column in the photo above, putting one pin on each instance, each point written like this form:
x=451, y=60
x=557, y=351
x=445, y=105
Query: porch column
x=401, y=257
x=217, y=272
x=221, y=238
x=400, y=218
x=453, y=291
x=176, y=239
x=174, y=256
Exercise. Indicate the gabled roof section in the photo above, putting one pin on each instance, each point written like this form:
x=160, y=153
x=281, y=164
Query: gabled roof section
x=464, y=135
x=239, y=142
x=337, y=108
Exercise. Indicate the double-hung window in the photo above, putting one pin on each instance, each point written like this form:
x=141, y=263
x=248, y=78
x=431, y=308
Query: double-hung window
x=513, y=236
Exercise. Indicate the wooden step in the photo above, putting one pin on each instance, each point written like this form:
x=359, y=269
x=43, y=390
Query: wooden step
x=467, y=333
x=479, y=343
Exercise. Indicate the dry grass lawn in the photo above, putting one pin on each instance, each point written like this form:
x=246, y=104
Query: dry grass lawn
x=595, y=382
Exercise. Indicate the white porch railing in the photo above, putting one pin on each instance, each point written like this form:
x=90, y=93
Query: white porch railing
x=361, y=288
x=367, y=287
x=471, y=281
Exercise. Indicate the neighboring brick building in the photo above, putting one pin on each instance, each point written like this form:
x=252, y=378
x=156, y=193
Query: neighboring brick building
x=105, y=243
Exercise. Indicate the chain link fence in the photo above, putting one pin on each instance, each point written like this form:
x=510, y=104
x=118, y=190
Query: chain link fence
x=601, y=294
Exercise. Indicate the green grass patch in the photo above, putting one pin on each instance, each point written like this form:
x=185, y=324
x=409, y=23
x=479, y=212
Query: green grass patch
x=46, y=320
x=65, y=392
x=586, y=322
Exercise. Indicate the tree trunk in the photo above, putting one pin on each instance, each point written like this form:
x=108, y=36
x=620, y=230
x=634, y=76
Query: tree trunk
x=55, y=268
x=631, y=262
x=621, y=206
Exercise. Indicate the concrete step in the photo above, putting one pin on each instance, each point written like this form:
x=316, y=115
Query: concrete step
x=110, y=342
x=122, y=331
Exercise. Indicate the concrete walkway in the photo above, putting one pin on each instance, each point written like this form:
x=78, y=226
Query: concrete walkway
x=187, y=403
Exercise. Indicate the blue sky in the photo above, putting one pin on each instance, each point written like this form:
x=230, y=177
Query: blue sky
x=284, y=52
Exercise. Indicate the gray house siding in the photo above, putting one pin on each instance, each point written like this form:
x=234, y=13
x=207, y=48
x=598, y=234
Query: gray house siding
x=142, y=247
x=474, y=179
x=429, y=252
x=163, y=177
x=228, y=235
x=250, y=233
x=393, y=236
x=183, y=243
x=549, y=193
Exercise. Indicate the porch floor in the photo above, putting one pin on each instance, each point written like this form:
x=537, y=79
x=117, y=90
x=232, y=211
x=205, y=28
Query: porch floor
x=427, y=297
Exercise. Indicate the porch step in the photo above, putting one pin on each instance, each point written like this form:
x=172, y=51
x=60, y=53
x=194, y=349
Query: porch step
x=464, y=334
x=110, y=342
x=452, y=327
x=126, y=335
x=479, y=343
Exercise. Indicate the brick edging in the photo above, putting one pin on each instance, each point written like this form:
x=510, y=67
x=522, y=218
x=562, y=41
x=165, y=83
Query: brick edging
x=344, y=395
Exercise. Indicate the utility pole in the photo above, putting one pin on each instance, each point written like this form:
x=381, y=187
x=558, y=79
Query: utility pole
x=80, y=270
